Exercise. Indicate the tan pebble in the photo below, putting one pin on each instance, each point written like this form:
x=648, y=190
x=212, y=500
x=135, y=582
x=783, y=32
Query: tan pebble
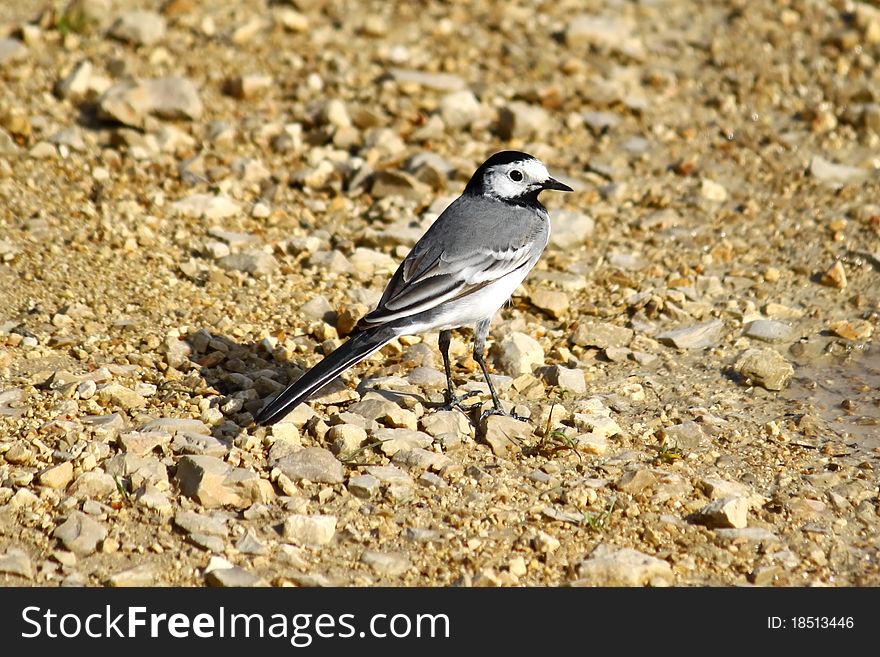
x=57, y=476
x=772, y=275
x=835, y=276
x=858, y=329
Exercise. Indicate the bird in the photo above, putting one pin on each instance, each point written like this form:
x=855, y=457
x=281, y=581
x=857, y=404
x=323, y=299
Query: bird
x=460, y=273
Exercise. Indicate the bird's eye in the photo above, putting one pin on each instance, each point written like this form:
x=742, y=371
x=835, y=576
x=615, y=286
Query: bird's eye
x=516, y=175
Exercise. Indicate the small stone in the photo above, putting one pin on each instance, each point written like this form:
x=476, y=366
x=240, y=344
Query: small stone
x=196, y=523
x=835, y=276
x=232, y=578
x=765, y=367
x=545, y=543
x=137, y=469
x=571, y=229
x=363, y=486
x=635, y=480
x=747, y=535
x=207, y=542
x=82, y=83
x=130, y=102
x=417, y=458
x=80, y=534
x=460, y=109
x=22, y=499
x=317, y=308
x=72, y=139
x=687, y=436
x=626, y=567
x=215, y=250
x=335, y=113
x=590, y=443
x=16, y=562
x=142, y=575
x=505, y=435
x=834, y=174
x=261, y=210
x=593, y=417
x=386, y=563
x=256, y=263
x=444, y=422
x=57, y=476
x=310, y=530
x=712, y=191
x=174, y=425
x=858, y=329
x=426, y=377
x=565, y=378
x=143, y=442
x=11, y=50
x=235, y=239
x=332, y=261
x=519, y=120
x=552, y=302
x=698, y=336
x=43, y=150
x=431, y=168
x=186, y=442
x=139, y=27
x=18, y=454
x=717, y=488
x=725, y=512
x=390, y=474
x=313, y=464
x=517, y=354
x=370, y=262
x=154, y=498
x=93, y=484
x=250, y=544
x=398, y=183
x=345, y=439
x=768, y=330
x=431, y=480
x=213, y=482
x=394, y=440
x=292, y=20
x=119, y=395
x=248, y=86
x=586, y=29
x=435, y=81
x=86, y=389
x=206, y=206
x=7, y=147
x=602, y=335
x=617, y=354
x=372, y=409
x=600, y=122
x=401, y=418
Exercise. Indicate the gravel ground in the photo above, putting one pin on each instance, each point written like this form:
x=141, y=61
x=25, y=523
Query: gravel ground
x=200, y=199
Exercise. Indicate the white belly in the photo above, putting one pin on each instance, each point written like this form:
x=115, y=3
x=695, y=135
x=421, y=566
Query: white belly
x=474, y=307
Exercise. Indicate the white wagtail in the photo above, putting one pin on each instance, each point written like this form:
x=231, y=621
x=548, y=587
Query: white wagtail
x=459, y=273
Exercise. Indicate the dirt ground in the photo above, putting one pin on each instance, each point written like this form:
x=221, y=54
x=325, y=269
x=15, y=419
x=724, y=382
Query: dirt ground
x=695, y=348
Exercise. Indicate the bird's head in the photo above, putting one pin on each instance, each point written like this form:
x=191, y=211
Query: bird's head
x=513, y=177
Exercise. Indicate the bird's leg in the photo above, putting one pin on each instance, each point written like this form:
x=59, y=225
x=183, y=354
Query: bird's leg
x=451, y=401
x=481, y=332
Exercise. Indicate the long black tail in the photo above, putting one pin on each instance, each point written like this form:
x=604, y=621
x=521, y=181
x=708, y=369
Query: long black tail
x=358, y=347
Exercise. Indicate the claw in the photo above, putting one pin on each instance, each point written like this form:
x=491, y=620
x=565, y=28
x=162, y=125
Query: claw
x=501, y=411
x=453, y=402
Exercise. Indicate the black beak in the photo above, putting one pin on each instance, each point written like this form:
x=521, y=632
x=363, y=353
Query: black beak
x=552, y=183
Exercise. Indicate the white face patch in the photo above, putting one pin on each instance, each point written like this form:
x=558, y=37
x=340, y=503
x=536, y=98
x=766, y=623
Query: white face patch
x=501, y=180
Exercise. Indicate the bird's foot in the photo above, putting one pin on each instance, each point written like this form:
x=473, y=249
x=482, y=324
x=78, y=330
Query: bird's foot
x=454, y=402
x=497, y=410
